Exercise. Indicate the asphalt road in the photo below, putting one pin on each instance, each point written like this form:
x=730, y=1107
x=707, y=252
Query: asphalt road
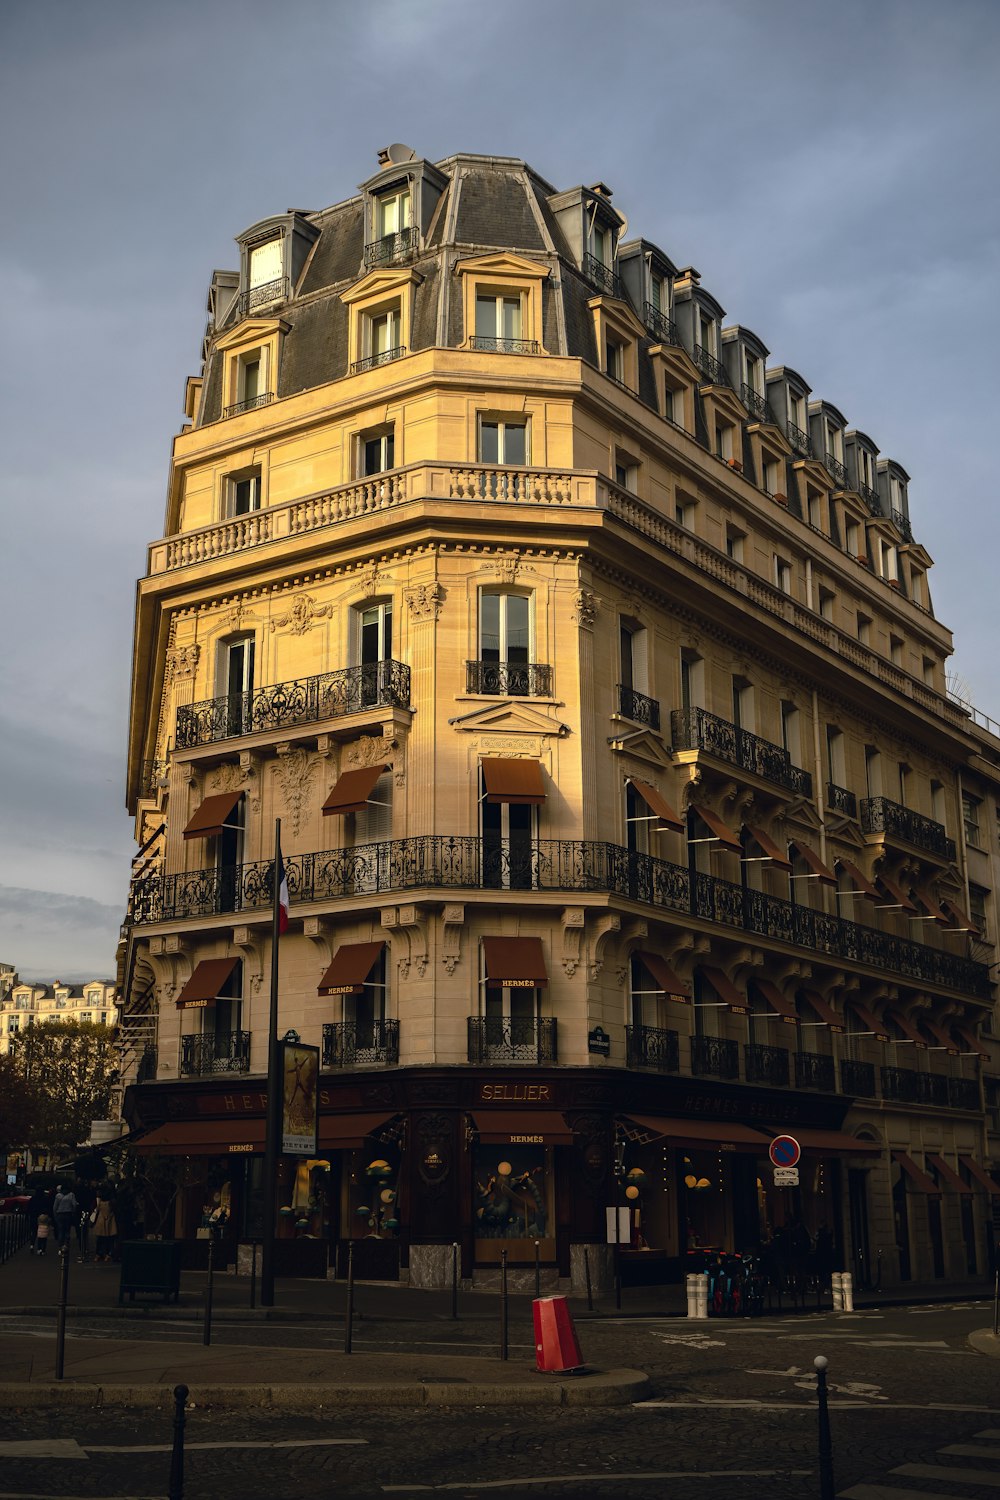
x=732, y=1416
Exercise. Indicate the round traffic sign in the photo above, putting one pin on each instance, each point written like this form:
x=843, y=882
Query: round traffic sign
x=784, y=1151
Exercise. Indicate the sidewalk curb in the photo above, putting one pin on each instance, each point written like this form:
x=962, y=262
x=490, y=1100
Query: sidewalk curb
x=985, y=1341
x=607, y=1388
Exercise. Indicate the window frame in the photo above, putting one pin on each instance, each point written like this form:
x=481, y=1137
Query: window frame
x=502, y=422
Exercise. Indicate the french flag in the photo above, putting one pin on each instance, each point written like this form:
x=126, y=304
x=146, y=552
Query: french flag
x=282, y=895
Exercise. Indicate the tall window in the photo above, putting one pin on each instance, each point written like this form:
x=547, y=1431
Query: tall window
x=692, y=680
x=383, y=334
x=614, y=359
x=244, y=493
x=637, y=820
x=505, y=637
x=743, y=716
x=978, y=897
x=835, y=762
x=221, y=1021
x=377, y=451
x=229, y=850
x=864, y=628
x=251, y=379
x=503, y=441
x=374, y=647
x=512, y=1016
x=508, y=831
x=265, y=264
x=790, y=730
x=499, y=316
x=734, y=543
x=602, y=246
x=783, y=574
x=366, y=1012
x=970, y=819
x=392, y=213
x=873, y=771
x=236, y=660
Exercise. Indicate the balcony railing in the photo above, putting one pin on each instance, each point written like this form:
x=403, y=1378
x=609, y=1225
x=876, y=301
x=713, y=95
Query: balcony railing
x=228, y=1052
x=839, y=472
x=491, y=345
x=250, y=404
x=637, y=707
x=512, y=1039
x=303, y=700
x=713, y=371
x=814, y=1070
x=714, y=1057
x=767, y=1065
x=652, y=1047
x=261, y=296
x=902, y=524
x=601, y=275
x=392, y=247
x=857, y=1078
x=799, y=440
x=905, y=1086
x=452, y=862
x=509, y=679
x=871, y=498
x=350, y=1044
x=755, y=403
x=373, y=361
x=697, y=729
x=880, y=815
x=839, y=799
x=662, y=328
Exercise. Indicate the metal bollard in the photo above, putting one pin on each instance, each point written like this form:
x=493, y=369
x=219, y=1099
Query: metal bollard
x=848, y=1285
x=206, y=1332
x=61, y=1321
x=837, y=1288
x=349, y=1316
x=538, y=1270
x=826, y=1485
x=253, y=1276
x=176, y=1491
x=454, y=1281
x=586, y=1272
x=503, y=1304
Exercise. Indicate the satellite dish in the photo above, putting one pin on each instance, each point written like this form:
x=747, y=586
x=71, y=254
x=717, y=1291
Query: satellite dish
x=398, y=153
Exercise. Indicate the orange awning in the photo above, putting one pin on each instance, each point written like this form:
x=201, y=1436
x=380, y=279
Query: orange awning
x=206, y=983
x=928, y=909
x=907, y=1027
x=768, y=848
x=352, y=790
x=725, y=989
x=719, y=830
x=951, y=1177
x=701, y=1132
x=823, y=1009
x=972, y=1042
x=668, y=820
x=959, y=921
x=917, y=1175
x=770, y=993
x=514, y=963
x=513, y=781
x=210, y=819
x=816, y=866
x=894, y=895
x=340, y=1132
x=980, y=1175
x=941, y=1037
x=862, y=886
x=517, y=1127
x=236, y=1136
x=665, y=979
x=352, y=963
x=869, y=1024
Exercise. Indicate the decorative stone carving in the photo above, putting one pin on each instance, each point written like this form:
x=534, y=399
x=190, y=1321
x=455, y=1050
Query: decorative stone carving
x=605, y=928
x=368, y=750
x=408, y=920
x=434, y=1151
x=238, y=616
x=425, y=600
x=183, y=661
x=303, y=615
x=295, y=772
x=452, y=922
x=585, y=607
x=572, y=928
x=370, y=578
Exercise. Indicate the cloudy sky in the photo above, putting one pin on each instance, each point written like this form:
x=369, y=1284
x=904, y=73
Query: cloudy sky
x=830, y=169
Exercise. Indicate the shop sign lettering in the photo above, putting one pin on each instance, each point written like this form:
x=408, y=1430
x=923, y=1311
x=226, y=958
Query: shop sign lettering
x=242, y=1147
x=527, y=1140
x=515, y=1093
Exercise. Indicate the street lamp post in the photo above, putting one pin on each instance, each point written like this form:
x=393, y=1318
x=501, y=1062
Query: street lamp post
x=619, y=1175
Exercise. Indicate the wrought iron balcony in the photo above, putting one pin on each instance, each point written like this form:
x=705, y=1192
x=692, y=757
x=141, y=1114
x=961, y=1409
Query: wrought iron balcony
x=512, y=1039
x=652, y=1047
x=839, y=472
x=392, y=247
x=814, y=1070
x=662, y=328
x=637, y=707
x=251, y=404
x=767, y=1065
x=905, y=1086
x=504, y=346
x=697, y=729
x=601, y=275
x=373, y=361
x=713, y=371
x=228, y=1052
x=348, y=1044
x=303, y=700
x=839, y=799
x=871, y=498
x=755, y=403
x=509, y=679
x=902, y=524
x=880, y=815
x=714, y=1057
x=799, y=440
x=857, y=1078
x=963, y=1093
x=261, y=296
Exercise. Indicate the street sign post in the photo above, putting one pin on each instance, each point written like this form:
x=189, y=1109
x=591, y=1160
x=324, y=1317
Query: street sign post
x=786, y=1176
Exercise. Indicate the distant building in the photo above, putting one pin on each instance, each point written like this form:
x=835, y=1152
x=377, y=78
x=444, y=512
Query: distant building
x=25, y=1004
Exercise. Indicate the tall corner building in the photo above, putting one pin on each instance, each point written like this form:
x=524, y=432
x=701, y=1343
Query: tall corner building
x=590, y=665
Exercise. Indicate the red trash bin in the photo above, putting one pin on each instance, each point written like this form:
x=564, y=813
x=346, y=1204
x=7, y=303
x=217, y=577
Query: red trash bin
x=556, y=1343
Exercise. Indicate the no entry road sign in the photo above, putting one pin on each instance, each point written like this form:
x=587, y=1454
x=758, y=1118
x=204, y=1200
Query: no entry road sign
x=784, y=1151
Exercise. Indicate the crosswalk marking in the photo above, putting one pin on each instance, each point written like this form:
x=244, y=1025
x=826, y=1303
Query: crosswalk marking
x=887, y=1492
x=988, y=1478
x=968, y=1450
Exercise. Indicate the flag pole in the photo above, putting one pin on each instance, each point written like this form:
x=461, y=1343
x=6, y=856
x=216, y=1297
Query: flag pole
x=272, y=1138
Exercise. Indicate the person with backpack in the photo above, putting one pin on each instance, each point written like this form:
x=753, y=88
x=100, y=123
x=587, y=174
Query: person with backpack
x=65, y=1211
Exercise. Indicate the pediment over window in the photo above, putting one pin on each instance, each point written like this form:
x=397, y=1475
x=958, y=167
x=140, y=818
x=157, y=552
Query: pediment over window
x=645, y=747
x=509, y=716
x=503, y=265
x=380, y=283
x=252, y=331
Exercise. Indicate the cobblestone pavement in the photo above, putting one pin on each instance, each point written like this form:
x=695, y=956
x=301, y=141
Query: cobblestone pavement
x=731, y=1417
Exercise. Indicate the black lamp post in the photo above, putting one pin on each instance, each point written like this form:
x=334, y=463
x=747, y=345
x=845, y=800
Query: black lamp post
x=619, y=1176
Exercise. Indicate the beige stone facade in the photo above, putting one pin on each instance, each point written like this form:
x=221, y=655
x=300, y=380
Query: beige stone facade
x=22, y=1005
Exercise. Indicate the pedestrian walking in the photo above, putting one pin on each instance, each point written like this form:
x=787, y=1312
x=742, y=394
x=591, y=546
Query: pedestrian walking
x=42, y=1231
x=105, y=1226
x=65, y=1210
x=38, y=1204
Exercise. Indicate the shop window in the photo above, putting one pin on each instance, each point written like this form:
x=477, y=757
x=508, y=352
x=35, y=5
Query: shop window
x=503, y=441
x=513, y=1202
x=369, y=1194
x=243, y=492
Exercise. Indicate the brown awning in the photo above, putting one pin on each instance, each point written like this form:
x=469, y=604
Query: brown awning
x=816, y=866
x=725, y=989
x=862, y=886
x=352, y=963
x=726, y=1133
x=768, y=848
x=868, y=1021
x=666, y=981
x=941, y=1037
x=833, y=1143
x=772, y=996
x=907, y=1027
x=513, y=781
x=236, y=1136
x=980, y=1175
x=928, y=909
x=514, y=963
x=823, y=1009
x=958, y=920
x=893, y=895
x=950, y=1176
x=664, y=813
x=972, y=1042
x=205, y=984
x=352, y=790
x=917, y=1175
x=516, y=1127
x=720, y=831
x=210, y=819
x=338, y=1132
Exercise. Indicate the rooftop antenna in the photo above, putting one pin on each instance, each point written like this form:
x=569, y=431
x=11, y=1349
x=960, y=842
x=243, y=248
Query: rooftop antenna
x=395, y=155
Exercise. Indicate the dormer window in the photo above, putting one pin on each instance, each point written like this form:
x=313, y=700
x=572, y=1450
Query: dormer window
x=266, y=275
x=598, y=262
x=393, y=212
x=393, y=231
x=499, y=320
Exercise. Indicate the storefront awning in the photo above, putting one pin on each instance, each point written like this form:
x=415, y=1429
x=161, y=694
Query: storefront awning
x=725, y=989
x=530, y=1127
x=728, y=1134
x=869, y=1025
x=892, y=896
x=958, y=920
x=514, y=963
x=667, y=819
x=513, y=781
x=833, y=1143
x=860, y=884
x=948, y=1175
x=823, y=1009
x=941, y=1037
x=768, y=848
x=340, y=1132
x=907, y=1027
x=928, y=909
x=817, y=869
x=772, y=996
x=352, y=790
x=206, y=983
x=917, y=1175
x=721, y=834
x=972, y=1043
x=352, y=963
x=666, y=981
x=233, y=1137
x=210, y=819
x=979, y=1174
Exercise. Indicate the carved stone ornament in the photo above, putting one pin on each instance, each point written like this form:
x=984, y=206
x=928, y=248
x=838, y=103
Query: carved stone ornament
x=238, y=616
x=295, y=772
x=585, y=607
x=183, y=661
x=367, y=750
x=425, y=600
x=303, y=615
x=370, y=578
x=229, y=777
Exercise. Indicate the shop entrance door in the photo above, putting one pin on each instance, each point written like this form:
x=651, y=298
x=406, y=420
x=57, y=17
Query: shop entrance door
x=857, y=1193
